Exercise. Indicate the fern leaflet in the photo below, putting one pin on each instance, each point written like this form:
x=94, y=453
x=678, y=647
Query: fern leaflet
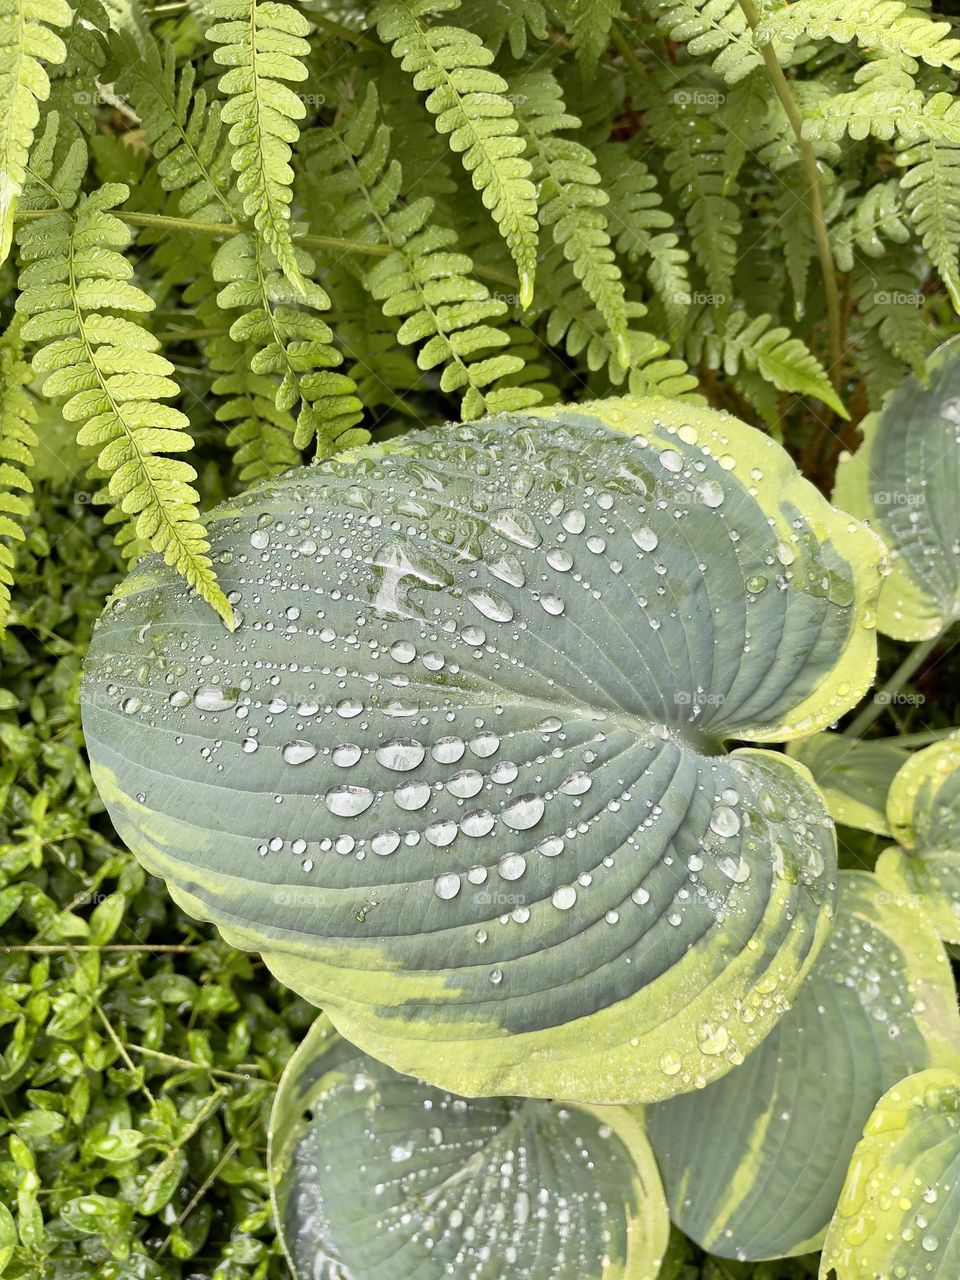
x=182, y=128
x=470, y=104
x=26, y=44
x=263, y=44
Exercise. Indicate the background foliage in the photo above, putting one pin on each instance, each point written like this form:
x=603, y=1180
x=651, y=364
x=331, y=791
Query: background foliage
x=239, y=233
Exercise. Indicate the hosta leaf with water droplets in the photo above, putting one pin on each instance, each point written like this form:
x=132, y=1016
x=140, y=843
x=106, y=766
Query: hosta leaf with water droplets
x=754, y=1163
x=376, y=1176
x=458, y=774
x=904, y=479
x=899, y=1215
x=924, y=812
x=854, y=776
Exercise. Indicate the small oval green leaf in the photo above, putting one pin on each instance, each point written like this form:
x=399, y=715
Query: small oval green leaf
x=378, y=1176
x=459, y=771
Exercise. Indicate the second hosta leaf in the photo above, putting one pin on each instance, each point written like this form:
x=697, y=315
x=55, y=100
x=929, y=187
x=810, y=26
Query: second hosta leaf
x=379, y=1177
x=458, y=774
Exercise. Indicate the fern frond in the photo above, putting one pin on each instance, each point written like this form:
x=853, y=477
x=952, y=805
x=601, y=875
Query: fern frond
x=183, y=130
x=876, y=216
x=262, y=42
x=76, y=88
x=715, y=29
x=931, y=183
x=885, y=91
x=572, y=199
x=639, y=224
x=686, y=128
x=581, y=331
x=18, y=439
x=290, y=342
x=27, y=47
x=888, y=297
x=588, y=23
x=760, y=346
x=114, y=381
x=471, y=104
x=891, y=26
x=424, y=282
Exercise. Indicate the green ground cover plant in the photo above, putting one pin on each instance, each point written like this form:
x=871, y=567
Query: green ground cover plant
x=479, y=555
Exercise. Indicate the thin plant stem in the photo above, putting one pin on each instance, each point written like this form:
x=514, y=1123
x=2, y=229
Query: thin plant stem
x=814, y=195
x=881, y=699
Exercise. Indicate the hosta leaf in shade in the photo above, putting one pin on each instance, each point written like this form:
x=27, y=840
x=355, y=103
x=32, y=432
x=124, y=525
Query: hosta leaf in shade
x=458, y=774
x=924, y=812
x=899, y=1215
x=904, y=479
x=854, y=776
x=376, y=1176
x=754, y=1163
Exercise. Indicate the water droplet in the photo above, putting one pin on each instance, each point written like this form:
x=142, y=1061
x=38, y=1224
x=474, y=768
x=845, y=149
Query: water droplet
x=346, y=755
x=210, y=697
x=299, y=752
x=564, y=897
x=401, y=754
x=724, y=821
x=447, y=886
x=347, y=801
x=645, y=539
x=491, y=606
x=523, y=813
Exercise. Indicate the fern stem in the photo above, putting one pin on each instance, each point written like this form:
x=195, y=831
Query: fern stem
x=814, y=195
x=164, y=222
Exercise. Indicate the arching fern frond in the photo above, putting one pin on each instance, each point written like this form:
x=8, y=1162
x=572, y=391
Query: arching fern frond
x=18, y=439
x=114, y=382
x=588, y=23
x=685, y=127
x=760, y=346
x=715, y=29
x=643, y=228
x=290, y=342
x=512, y=20
x=445, y=310
x=471, y=104
x=27, y=45
x=262, y=42
x=76, y=89
x=931, y=182
x=572, y=199
x=888, y=299
x=890, y=26
x=885, y=91
x=183, y=129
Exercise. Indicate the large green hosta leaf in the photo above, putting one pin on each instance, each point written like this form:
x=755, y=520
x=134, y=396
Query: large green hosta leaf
x=905, y=479
x=924, y=812
x=754, y=1163
x=458, y=772
x=899, y=1215
x=378, y=1177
